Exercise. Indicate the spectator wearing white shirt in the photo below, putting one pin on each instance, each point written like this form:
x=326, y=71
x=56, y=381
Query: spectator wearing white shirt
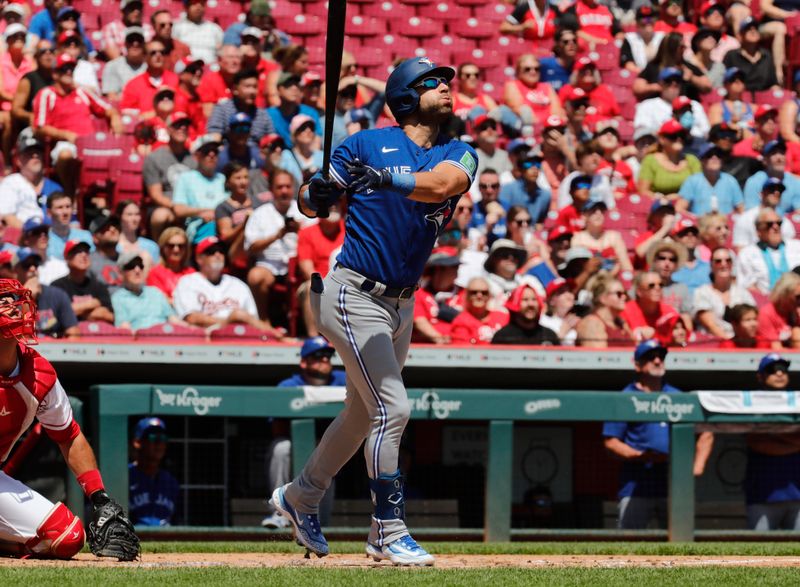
x=270, y=237
x=120, y=70
x=210, y=297
x=19, y=192
x=744, y=226
x=759, y=266
x=203, y=37
x=654, y=112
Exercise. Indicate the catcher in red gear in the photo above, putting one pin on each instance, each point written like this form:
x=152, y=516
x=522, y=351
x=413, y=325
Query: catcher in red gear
x=31, y=525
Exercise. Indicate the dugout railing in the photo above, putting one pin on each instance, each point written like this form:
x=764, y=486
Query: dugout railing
x=112, y=405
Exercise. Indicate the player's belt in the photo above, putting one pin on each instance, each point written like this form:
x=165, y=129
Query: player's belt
x=376, y=287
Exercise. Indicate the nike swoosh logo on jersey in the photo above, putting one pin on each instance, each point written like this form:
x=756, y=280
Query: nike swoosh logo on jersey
x=385, y=150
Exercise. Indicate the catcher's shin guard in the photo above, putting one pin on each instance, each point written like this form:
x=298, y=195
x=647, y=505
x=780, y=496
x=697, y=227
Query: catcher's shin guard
x=387, y=497
x=61, y=534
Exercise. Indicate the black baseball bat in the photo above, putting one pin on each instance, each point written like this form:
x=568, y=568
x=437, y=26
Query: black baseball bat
x=334, y=45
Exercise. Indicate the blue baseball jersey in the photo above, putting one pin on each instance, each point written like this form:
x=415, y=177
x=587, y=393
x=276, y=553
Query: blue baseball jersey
x=389, y=237
x=642, y=479
x=153, y=500
x=338, y=377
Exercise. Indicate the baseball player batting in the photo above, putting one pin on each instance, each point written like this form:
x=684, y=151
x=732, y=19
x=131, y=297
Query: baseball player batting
x=31, y=525
x=402, y=184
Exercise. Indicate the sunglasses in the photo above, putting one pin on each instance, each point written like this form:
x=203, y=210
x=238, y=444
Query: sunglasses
x=468, y=74
x=134, y=265
x=530, y=68
x=321, y=356
x=569, y=41
x=669, y=258
x=776, y=368
x=652, y=285
x=522, y=222
x=155, y=437
x=163, y=25
x=723, y=261
x=478, y=292
x=431, y=83
x=619, y=293
x=578, y=104
x=211, y=153
x=652, y=356
x=583, y=186
x=175, y=246
x=770, y=224
x=530, y=163
x=489, y=186
x=156, y=52
x=45, y=51
x=678, y=136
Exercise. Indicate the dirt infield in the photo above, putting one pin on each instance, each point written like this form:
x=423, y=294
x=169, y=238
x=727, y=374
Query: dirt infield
x=448, y=561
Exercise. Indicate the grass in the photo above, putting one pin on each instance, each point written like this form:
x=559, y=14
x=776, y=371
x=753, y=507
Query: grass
x=534, y=548
x=388, y=577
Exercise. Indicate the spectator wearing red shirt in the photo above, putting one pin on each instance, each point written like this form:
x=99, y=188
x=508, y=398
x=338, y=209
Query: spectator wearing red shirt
x=595, y=23
x=174, y=247
x=779, y=320
x=217, y=85
x=528, y=96
x=557, y=157
x=532, y=20
x=63, y=112
x=766, y=126
x=250, y=48
x=162, y=31
x=190, y=72
x=468, y=96
x=434, y=302
x=613, y=165
x=672, y=21
x=477, y=323
x=139, y=92
x=315, y=245
x=602, y=103
x=570, y=216
x=744, y=319
x=647, y=315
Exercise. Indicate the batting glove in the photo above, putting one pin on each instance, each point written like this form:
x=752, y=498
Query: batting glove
x=366, y=177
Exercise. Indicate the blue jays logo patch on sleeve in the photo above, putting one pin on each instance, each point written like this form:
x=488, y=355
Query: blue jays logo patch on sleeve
x=439, y=217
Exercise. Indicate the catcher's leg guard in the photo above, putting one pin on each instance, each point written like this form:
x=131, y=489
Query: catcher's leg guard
x=60, y=535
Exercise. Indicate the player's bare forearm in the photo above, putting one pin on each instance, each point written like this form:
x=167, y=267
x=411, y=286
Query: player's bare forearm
x=444, y=182
x=79, y=455
x=621, y=450
x=702, y=450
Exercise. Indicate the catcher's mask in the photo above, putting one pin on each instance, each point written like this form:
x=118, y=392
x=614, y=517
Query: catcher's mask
x=17, y=312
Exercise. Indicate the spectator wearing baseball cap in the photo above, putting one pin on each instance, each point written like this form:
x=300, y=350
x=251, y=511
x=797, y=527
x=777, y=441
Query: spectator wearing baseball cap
x=704, y=43
x=488, y=215
x=774, y=156
x=260, y=16
x=570, y=216
x=744, y=225
x=663, y=172
x=644, y=447
x=559, y=315
x=619, y=173
x=557, y=156
x=735, y=108
x=70, y=42
x=89, y=297
x=672, y=19
x=54, y=315
x=695, y=271
x=588, y=158
x=754, y=61
x=484, y=131
x=770, y=485
x=123, y=68
x=20, y=192
x=139, y=92
x=766, y=130
x=304, y=158
x=252, y=43
x=436, y=301
x=245, y=89
x=638, y=45
x=105, y=229
x=602, y=103
x=525, y=307
x=138, y=306
x=115, y=33
x=199, y=191
x=692, y=117
x=290, y=106
x=43, y=24
x=153, y=492
x=527, y=190
x=665, y=258
x=238, y=147
x=35, y=236
x=530, y=98
x=710, y=190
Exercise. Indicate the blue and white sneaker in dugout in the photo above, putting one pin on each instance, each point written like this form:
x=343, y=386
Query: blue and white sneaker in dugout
x=307, y=531
x=403, y=551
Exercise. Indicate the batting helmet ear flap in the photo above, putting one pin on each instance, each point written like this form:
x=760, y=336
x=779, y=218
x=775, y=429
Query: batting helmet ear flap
x=405, y=102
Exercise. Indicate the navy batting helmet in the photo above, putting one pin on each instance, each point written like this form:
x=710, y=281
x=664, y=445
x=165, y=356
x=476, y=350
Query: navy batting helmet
x=401, y=96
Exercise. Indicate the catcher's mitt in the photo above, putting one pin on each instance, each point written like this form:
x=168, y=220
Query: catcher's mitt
x=110, y=532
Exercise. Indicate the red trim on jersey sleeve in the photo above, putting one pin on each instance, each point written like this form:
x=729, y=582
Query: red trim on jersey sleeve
x=65, y=435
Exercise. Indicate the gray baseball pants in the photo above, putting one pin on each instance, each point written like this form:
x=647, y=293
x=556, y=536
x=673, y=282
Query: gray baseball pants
x=371, y=333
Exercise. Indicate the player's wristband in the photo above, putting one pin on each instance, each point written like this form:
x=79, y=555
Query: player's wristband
x=91, y=482
x=403, y=183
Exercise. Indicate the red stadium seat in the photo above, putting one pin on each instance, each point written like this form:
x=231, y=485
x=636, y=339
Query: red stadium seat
x=444, y=11
x=606, y=57
x=128, y=181
x=375, y=57
x=171, y=332
x=715, y=96
x=96, y=152
x=414, y=2
x=416, y=27
x=488, y=59
x=458, y=46
x=470, y=2
x=90, y=329
x=472, y=28
x=365, y=26
x=304, y=26
x=634, y=204
x=772, y=97
x=491, y=11
x=238, y=332
x=385, y=9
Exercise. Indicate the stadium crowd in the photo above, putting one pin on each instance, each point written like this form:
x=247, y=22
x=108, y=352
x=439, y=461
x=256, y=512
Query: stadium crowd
x=637, y=167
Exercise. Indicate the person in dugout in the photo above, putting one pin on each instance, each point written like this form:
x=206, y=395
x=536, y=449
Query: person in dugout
x=153, y=492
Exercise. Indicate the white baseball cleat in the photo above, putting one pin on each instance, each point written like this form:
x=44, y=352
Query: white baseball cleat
x=403, y=551
x=275, y=522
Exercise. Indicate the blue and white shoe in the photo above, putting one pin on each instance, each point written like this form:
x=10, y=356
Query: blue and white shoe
x=307, y=531
x=403, y=551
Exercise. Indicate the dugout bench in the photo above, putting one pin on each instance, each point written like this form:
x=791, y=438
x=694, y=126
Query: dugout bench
x=113, y=404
